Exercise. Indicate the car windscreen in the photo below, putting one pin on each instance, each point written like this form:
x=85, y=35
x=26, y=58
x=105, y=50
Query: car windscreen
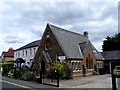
x=118, y=68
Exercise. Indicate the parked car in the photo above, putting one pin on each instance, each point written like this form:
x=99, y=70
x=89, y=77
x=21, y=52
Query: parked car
x=116, y=70
x=25, y=67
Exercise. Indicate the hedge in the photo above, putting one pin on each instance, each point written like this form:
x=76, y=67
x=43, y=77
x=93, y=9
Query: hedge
x=6, y=67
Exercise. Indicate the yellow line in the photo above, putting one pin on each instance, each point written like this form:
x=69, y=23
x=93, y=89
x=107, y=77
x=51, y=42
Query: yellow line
x=16, y=84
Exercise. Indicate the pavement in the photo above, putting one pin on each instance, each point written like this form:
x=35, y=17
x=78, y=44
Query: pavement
x=99, y=81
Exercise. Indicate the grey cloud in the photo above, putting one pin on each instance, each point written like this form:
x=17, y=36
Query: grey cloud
x=12, y=39
x=69, y=13
x=23, y=16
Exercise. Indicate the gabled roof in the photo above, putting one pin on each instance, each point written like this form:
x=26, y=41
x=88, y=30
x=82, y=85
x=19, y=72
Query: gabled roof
x=9, y=53
x=32, y=44
x=69, y=42
x=111, y=55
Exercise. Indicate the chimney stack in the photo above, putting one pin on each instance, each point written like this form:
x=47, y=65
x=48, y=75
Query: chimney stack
x=86, y=34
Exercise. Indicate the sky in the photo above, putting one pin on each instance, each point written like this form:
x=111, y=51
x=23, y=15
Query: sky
x=24, y=21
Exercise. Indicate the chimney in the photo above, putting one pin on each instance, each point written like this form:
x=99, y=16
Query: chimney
x=86, y=34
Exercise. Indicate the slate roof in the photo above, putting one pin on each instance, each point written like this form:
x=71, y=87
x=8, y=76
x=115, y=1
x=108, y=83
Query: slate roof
x=111, y=55
x=69, y=42
x=32, y=44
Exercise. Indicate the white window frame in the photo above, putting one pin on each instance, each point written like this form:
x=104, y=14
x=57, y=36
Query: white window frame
x=75, y=66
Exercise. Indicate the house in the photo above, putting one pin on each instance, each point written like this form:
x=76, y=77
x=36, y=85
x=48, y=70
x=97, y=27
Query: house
x=111, y=58
x=0, y=59
x=27, y=52
x=8, y=56
x=75, y=49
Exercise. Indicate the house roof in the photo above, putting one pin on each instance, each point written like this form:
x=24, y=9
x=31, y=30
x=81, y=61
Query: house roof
x=32, y=44
x=69, y=42
x=9, y=53
x=111, y=55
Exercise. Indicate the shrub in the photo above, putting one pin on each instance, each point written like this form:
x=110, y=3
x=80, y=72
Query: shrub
x=60, y=66
x=15, y=73
x=28, y=76
x=11, y=73
x=65, y=71
x=6, y=67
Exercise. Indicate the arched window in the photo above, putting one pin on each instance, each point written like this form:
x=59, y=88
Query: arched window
x=89, y=62
x=48, y=45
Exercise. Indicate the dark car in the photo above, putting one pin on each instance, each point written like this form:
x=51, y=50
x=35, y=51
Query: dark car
x=25, y=67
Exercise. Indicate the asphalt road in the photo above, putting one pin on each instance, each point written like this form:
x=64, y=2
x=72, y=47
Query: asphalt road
x=9, y=83
x=7, y=86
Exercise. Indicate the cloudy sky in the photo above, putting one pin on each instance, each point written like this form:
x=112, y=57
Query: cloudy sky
x=22, y=22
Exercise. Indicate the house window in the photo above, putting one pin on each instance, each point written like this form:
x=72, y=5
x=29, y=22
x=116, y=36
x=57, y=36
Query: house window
x=23, y=53
x=72, y=65
x=26, y=52
x=79, y=66
x=97, y=64
x=76, y=66
x=34, y=50
x=18, y=54
x=30, y=51
x=89, y=62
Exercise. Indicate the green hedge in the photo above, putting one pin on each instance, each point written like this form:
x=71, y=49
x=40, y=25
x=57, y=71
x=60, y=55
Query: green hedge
x=6, y=67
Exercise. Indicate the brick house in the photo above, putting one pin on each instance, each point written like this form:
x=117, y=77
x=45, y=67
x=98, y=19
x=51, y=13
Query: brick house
x=75, y=49
x=8, y=56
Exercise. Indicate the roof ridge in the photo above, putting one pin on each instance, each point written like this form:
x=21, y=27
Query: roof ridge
x=27, y=44
x=111, y=51
x=62, y=29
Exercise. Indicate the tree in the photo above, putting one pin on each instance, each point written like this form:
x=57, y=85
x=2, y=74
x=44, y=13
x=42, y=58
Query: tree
x=111, y=43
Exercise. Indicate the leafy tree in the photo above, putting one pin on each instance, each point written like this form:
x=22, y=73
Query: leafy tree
x=111, y=43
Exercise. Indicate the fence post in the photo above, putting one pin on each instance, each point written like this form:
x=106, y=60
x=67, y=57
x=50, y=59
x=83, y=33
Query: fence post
x=40, y=76
x=58, y=77
x=113, y=82
x=14, y=72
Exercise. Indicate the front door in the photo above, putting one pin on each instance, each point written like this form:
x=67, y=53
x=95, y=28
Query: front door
x=43, y=67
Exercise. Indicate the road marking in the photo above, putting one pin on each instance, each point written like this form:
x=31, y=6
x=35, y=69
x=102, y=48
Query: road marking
x=16, y=84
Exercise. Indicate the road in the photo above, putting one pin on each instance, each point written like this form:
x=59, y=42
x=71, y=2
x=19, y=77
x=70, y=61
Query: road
x=6, y=85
